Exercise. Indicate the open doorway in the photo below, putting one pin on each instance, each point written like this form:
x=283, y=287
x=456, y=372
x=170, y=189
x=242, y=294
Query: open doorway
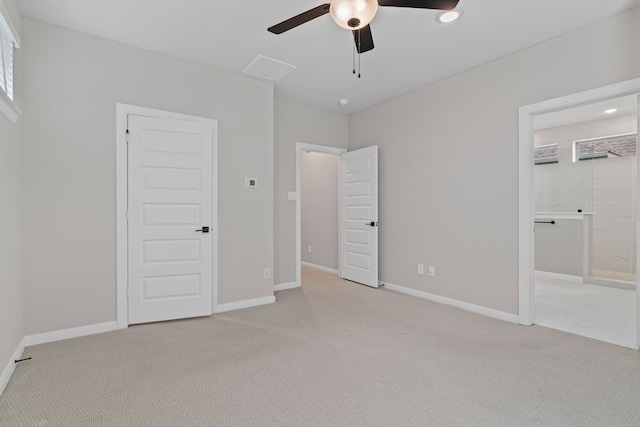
x=317, y=201
x=527, y=217
x=319, y=210
x=585, y=208
x=357, y=212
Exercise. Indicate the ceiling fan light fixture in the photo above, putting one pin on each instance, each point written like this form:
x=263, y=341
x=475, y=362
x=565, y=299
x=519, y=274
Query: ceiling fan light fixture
x=449, y=16
x=353, y=14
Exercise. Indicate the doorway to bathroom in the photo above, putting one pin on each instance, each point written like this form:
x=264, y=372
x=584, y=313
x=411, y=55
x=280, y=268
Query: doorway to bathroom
x=579, y=192
x=585, y=207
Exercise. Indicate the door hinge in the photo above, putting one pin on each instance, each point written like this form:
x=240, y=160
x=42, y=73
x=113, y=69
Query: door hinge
x=127, y=215
x=128, y=293
x=127, y=136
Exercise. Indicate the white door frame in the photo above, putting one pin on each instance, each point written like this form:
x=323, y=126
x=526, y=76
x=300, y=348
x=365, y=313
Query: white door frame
x=122, y=255
x=300, y=147
x=526, y=309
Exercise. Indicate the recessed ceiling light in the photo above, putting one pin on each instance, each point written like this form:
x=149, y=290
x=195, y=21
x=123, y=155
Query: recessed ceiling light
x=449, y=16
x=343, y=102
x=611, y=110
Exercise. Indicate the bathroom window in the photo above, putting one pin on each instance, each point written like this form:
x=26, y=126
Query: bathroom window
x=545, y=154
x=605, y=147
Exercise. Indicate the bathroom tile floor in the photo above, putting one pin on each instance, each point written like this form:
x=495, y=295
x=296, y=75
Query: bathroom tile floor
x=598, y=312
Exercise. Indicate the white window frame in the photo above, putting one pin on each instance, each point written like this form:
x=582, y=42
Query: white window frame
x=546, y=160
x=7, y=30
x=576, y=156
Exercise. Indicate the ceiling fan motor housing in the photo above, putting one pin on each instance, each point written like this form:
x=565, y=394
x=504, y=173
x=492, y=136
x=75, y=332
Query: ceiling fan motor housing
x=353, y=14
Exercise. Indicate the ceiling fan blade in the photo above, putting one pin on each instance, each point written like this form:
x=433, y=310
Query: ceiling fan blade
x=307, y=16
x=363, y=39
x=421, y=4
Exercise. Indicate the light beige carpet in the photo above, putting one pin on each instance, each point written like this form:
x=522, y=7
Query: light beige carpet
x=331, y=353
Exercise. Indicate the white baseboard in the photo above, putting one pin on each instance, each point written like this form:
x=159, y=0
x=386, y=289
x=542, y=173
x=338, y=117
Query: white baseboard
x=64, y=334
x=550, y=275
x=320, y=267
x=284, y=286
x=11, y=366
x=221, y=308
x=478, y=309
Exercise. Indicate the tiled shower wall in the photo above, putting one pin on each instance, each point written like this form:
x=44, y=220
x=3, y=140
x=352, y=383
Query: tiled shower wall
x=606, y=187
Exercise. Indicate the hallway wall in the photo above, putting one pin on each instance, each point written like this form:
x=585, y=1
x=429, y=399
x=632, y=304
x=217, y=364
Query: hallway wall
x=319, y=208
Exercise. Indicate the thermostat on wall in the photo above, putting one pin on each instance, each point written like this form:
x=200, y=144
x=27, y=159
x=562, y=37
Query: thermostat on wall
x=250, y=182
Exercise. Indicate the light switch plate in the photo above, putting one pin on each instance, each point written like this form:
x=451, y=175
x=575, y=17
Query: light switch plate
x=250, y=182
x=292, y=195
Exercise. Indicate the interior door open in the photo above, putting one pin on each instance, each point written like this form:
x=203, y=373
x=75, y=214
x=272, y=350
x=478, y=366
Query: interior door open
x=170, y=199
x=359, y=216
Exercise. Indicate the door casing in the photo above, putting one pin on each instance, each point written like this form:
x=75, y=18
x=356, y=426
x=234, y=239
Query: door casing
x=122, y=257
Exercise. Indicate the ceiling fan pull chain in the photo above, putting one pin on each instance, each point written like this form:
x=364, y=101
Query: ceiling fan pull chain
x=359, y=50
x=354, y=58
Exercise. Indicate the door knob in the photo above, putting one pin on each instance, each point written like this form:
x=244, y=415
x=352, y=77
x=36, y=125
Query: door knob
x=204, y=229
x=372, y=224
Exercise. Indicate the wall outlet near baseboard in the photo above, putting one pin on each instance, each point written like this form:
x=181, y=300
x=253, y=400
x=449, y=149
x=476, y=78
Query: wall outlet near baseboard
x=267, y=273
x=420, y=268
x=432, y=271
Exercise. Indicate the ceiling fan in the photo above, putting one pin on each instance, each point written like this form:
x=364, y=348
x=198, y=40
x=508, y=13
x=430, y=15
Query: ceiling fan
x=355, y=15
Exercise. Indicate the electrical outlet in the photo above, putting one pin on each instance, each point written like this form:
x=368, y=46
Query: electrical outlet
x=309, y=250
x=420, y=268
x=432, y=271
x=267, y=273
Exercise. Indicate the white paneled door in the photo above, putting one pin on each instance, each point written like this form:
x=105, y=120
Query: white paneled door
x=170, y=199
x=359, y=216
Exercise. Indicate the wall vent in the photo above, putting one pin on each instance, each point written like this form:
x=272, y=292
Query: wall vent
x=268, y=68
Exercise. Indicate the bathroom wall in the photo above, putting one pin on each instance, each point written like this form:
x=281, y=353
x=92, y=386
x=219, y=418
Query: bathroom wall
x=605, y=187
x=559, y=247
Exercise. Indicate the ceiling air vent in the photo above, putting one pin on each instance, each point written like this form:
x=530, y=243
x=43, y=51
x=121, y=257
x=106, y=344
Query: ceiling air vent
x=268, y=68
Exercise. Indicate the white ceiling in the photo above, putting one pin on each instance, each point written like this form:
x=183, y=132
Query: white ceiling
x=411, y=48
x=584, y=113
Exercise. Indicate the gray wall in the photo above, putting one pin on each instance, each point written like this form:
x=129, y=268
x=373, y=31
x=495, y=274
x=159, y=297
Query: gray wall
x=72, y=82
x=449, y=160
x=11, y=289
x=319, y=208
x=296, y=123
x=559, y=247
